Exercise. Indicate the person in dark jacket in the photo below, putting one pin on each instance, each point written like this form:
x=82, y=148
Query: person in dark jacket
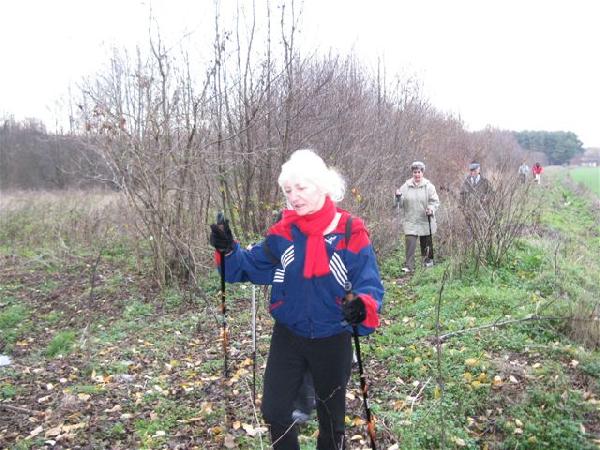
x=313, y=270
x=475, y=187
x=475, y=196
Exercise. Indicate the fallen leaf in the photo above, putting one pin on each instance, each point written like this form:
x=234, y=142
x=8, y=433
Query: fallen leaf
x=399, y=404
x=459, y=441
x=36, y=431
x=358, y=421
x=518, y=431
x=247, y=362
x=229, y=441
x=113, y=409
x=471, y=362
x=206, y=408
x=497, y=382
x=77, y=426
x=249, y=429
x=53, y=431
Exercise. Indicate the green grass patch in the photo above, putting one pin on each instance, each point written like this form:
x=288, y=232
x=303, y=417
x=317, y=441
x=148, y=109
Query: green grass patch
x=90, y=389
x=168, y=412
x=53, y=317
x=15, y=323
x=172, y=298
x=547, y=419
x=588, y=176
x=137, y=310
x=61, y=344
x=7, y=391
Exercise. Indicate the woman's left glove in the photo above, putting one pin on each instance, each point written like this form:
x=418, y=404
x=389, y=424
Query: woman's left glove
x=354, y=311
x=221, y=237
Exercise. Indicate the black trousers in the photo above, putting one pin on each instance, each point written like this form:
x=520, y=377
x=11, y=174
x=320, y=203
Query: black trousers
x=305, y=401
x=329, y=361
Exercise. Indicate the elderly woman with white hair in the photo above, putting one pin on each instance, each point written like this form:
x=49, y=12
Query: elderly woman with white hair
x=312, y=257
x=418, y=200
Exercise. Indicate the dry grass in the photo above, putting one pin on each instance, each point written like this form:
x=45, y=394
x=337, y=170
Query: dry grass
x=71, y=216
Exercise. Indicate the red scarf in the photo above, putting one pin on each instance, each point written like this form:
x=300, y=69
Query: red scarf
x=316, y=262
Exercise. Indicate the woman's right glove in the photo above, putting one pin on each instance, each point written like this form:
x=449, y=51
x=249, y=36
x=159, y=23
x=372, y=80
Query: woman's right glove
x=354, y=311
x=221, y=237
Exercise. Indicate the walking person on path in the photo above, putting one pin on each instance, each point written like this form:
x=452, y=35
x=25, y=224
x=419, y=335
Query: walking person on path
x=418, y=200
x=311, y=269
x=475, y=199
x=475, y=187
x=537, y=170
x=523, y=172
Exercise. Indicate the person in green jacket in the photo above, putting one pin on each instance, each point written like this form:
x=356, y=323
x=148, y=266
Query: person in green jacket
x=418, y=200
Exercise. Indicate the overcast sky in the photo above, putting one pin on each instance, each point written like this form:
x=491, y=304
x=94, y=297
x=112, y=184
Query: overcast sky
x=511, y=64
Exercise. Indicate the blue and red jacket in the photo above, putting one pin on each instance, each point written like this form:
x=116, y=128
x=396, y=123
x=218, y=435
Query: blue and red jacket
x=311, y=307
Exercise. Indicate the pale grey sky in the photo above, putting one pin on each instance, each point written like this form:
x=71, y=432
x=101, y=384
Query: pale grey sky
x=511, y=64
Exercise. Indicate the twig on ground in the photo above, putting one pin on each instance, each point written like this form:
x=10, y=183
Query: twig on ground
x=254, y=413
x=19, y=409
x=438, y=351
x=416, y=397
x=529, y=318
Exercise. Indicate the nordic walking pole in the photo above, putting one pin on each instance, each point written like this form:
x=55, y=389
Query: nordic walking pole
x=430, y=235
x=224, y=332
x=254, y=344
x=363, y=379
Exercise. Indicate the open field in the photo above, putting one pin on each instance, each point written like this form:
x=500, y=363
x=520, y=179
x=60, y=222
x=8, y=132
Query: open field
x=588, y=176
x=102, y=358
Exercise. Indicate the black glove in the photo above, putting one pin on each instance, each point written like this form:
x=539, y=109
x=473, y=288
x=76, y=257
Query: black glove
x=354, y=311
x=221, y=237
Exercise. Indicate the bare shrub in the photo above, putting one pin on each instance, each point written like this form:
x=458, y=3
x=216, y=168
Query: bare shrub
x=495, y=221
x=182, y=143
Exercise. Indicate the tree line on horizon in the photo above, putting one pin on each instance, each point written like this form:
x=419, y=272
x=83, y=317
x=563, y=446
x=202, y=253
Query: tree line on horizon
x=31, y=158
